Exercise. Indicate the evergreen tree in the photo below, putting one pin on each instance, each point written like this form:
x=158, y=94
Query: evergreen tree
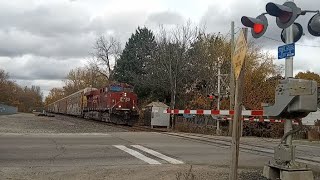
x=132, y=67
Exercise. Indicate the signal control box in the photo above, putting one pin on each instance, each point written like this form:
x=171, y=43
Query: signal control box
x=294, y=98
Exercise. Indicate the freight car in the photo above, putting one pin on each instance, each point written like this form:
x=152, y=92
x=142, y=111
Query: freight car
x=70, y=105
x=115, y=103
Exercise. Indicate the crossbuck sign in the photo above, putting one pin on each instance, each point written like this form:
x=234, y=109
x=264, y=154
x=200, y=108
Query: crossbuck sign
x=239, y=54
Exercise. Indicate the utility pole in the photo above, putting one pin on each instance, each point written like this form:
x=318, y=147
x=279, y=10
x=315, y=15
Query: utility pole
x=232, y=84
x=219, y=85
x=219, y=95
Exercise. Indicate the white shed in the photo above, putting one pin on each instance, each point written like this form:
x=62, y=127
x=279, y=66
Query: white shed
x=313, y=116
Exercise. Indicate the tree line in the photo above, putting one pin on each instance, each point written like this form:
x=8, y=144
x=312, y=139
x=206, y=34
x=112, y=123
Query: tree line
x=177, y=66
x=25, y=98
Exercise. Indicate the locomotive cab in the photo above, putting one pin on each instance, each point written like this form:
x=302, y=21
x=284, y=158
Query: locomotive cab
x=120, y=97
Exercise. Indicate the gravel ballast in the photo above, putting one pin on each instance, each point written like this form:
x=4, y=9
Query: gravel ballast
x=30, y=123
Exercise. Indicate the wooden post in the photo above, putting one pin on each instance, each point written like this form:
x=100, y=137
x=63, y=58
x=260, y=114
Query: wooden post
x=232, y=84
x=237, y=121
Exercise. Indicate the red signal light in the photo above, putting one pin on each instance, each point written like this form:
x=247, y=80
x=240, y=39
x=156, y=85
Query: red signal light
x=258, y=28
x=210, y=97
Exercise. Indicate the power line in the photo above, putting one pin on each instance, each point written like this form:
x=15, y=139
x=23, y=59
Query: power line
x=305, y=45
x=271, y=39
x=238, y=29
x=298, y=44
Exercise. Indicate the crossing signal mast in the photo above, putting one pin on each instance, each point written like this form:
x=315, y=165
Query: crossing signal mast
x=294, y=98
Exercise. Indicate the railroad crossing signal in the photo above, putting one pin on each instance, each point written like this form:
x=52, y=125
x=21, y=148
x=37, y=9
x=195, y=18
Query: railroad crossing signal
x=286, y=14
x=297, y=33
x=314, y=25
x=210, y=96
x=258, y=25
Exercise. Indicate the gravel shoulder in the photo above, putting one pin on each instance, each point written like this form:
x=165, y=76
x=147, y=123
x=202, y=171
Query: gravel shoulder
x=167, y=172
x=30, y=123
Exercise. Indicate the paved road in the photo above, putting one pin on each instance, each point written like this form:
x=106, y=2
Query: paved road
x=40, y=151
x=123, y=149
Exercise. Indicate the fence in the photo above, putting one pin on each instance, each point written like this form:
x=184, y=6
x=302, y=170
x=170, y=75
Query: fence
x=200, y=124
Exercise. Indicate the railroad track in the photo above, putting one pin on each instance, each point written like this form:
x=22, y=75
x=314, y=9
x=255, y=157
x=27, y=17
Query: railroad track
x=313, y=160
x=224, y=143
x=245, y=147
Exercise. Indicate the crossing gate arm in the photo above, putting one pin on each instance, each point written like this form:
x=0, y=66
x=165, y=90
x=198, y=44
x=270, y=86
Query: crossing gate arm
x=214, y=112
x=248, y=115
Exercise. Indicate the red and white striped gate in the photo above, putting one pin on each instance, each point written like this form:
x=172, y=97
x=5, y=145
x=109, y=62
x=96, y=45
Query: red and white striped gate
x=248, y=115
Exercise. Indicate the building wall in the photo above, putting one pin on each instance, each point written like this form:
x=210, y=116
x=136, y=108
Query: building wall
x=5, y=109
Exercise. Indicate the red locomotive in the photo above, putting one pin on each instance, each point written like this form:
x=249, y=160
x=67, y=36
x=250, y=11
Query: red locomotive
x=116, y=103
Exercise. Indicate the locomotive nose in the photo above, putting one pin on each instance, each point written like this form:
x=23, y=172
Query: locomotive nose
x=126, y=101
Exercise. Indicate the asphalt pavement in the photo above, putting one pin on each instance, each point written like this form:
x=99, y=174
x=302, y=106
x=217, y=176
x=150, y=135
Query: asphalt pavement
x=124, y=148
x=46, y=149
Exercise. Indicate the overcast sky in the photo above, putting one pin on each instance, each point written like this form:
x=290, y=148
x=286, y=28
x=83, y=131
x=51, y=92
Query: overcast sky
x=41, y=40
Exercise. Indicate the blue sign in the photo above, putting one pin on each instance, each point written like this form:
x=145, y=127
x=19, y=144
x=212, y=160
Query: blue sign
x=286, y=51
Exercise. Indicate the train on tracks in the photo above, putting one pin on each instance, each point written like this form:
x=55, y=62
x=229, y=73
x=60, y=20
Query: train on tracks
x=115, y=103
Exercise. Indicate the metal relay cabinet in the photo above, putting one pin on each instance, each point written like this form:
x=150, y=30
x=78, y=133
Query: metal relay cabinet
x=154, y=115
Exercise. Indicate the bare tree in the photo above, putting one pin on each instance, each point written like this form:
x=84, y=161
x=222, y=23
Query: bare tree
x=171, y=62
x=83, y=77
x=106, y=50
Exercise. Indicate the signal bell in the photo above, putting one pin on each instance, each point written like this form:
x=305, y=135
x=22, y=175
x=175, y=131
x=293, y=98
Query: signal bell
x=297, y=33
x=286, y=14
x=314, y=25
x=258, y=25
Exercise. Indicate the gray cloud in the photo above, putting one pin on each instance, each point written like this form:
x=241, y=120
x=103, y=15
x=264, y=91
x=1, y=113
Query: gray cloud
x=166, y=18
x=17, y=43
x=59, y=30
x=119, y=25
x=51, y=19
x=51, y=30
x=41, y=43
x=29, y=67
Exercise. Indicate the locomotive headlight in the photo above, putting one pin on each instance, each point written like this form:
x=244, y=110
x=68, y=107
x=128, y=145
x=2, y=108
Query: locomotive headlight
x=119, y=106
x=125, y=94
